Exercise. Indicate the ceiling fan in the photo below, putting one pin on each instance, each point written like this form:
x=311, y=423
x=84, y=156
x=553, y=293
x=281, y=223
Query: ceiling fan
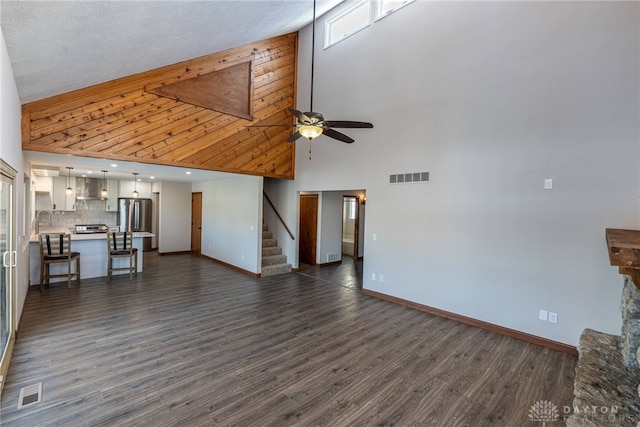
x=313, y=124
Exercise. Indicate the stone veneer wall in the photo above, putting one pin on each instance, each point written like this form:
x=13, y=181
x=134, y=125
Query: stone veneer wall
x=607, y=383
x=630, y=323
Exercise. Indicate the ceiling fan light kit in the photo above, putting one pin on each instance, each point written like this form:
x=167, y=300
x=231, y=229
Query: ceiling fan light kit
x=310, y=131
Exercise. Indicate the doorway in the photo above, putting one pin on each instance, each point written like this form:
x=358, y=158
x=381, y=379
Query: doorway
x=155, y=203
x=308, y=229
x=7, y=268
x=196, y=223
x=350, y=226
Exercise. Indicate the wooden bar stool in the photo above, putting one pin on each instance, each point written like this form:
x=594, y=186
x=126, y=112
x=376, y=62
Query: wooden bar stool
x=120, y=245
x=55, y=248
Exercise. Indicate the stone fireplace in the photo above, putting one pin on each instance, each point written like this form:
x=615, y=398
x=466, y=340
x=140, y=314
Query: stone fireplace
x=607, y=383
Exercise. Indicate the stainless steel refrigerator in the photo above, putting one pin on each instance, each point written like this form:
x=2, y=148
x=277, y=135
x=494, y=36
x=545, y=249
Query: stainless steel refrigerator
x=135, y=215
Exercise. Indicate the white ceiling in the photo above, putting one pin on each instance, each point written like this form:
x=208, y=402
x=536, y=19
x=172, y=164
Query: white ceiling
x=59, y=46
x=92, y=167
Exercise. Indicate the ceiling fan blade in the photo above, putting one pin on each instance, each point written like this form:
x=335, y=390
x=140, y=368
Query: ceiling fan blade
x=268, y=126
x=294, y=136
x=302, y=117
x=337, y=135
x=347, y=124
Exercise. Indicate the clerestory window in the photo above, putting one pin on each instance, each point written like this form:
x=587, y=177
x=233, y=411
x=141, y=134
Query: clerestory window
x=356, y=15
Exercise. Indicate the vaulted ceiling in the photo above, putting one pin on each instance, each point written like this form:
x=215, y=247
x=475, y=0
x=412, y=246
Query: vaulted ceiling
x=59, y=46
x=56, y=47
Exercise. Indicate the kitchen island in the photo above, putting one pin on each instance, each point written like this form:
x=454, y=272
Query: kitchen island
x=93, y=255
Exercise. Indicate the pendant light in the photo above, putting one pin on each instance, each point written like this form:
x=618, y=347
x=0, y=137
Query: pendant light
x=135, y=185
x=69, y=189
x=103, y=192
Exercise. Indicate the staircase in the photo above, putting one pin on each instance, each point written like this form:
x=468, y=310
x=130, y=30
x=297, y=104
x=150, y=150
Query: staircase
x=273, y=262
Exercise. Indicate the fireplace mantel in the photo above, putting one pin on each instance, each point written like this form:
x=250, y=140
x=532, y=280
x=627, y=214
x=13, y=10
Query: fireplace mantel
x=624, y=252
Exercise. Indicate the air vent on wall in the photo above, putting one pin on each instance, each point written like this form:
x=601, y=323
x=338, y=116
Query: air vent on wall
x=401, y=178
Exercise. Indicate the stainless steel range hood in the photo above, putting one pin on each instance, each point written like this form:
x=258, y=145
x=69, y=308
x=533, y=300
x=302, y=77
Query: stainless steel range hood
x=88, y=188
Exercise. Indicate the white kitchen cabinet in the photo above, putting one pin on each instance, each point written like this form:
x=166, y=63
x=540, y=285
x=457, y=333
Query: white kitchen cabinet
x=44, y=184
x=61, y=200
x=113, y=189
x=127, y=187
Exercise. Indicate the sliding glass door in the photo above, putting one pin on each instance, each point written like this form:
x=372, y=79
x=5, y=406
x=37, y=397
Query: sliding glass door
x=7, y=276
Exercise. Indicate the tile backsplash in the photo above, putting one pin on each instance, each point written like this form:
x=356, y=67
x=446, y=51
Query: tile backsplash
x=70, y=218
x=87, y=212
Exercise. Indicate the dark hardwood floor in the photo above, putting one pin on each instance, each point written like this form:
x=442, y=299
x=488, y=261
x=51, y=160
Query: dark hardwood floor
x=192, y=343
x=348, y=273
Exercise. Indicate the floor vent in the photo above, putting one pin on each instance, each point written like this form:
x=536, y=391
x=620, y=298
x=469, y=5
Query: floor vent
x=30, y=395
x=333, y=257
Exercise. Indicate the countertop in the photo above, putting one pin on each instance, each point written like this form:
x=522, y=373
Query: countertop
x=93, y=236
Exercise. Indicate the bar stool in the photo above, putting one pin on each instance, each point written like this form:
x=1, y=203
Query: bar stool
x=55, y=248
x=120, y=245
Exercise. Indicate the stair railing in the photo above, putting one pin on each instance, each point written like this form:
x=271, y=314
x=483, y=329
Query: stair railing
x=278, y=215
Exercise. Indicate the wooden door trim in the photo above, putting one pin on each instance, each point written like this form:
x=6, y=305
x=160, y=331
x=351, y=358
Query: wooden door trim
x=356, y=230
x=196, y=250
x=356, y=226
x=301, y=238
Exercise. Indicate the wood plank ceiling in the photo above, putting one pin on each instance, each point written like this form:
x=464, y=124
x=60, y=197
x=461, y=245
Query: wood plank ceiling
x=120, y=120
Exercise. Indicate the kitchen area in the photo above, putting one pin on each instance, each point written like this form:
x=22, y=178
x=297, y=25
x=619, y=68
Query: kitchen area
x=88, y=208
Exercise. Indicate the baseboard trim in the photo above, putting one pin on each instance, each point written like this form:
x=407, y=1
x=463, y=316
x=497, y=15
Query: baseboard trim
x=233, y=267
x=174, y=253
x=533, y=339
x=327, y=264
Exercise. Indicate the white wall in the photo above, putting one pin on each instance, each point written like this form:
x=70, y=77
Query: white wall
x=491, y=98
x=329, y=236
x=11, y=153
x=232, y=221
x=273, y=222
x=174, y=217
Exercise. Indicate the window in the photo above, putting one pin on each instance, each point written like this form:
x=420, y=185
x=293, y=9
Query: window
x=349, y=208
x=355, y=16
x=386, y=7
x=347, y=22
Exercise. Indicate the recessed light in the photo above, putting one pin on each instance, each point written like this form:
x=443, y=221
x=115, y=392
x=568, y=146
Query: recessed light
x=89, y=171
x=152, y=177
x=188, y=172
x=113, y=165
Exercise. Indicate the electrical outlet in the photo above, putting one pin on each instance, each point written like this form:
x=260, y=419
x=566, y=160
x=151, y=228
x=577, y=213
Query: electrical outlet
x=548, y=184
x=381, y=278
x=542, y=315
x=553, y=317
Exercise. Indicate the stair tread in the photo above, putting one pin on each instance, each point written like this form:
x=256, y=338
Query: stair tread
x=273, y=270
x=273, y=261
